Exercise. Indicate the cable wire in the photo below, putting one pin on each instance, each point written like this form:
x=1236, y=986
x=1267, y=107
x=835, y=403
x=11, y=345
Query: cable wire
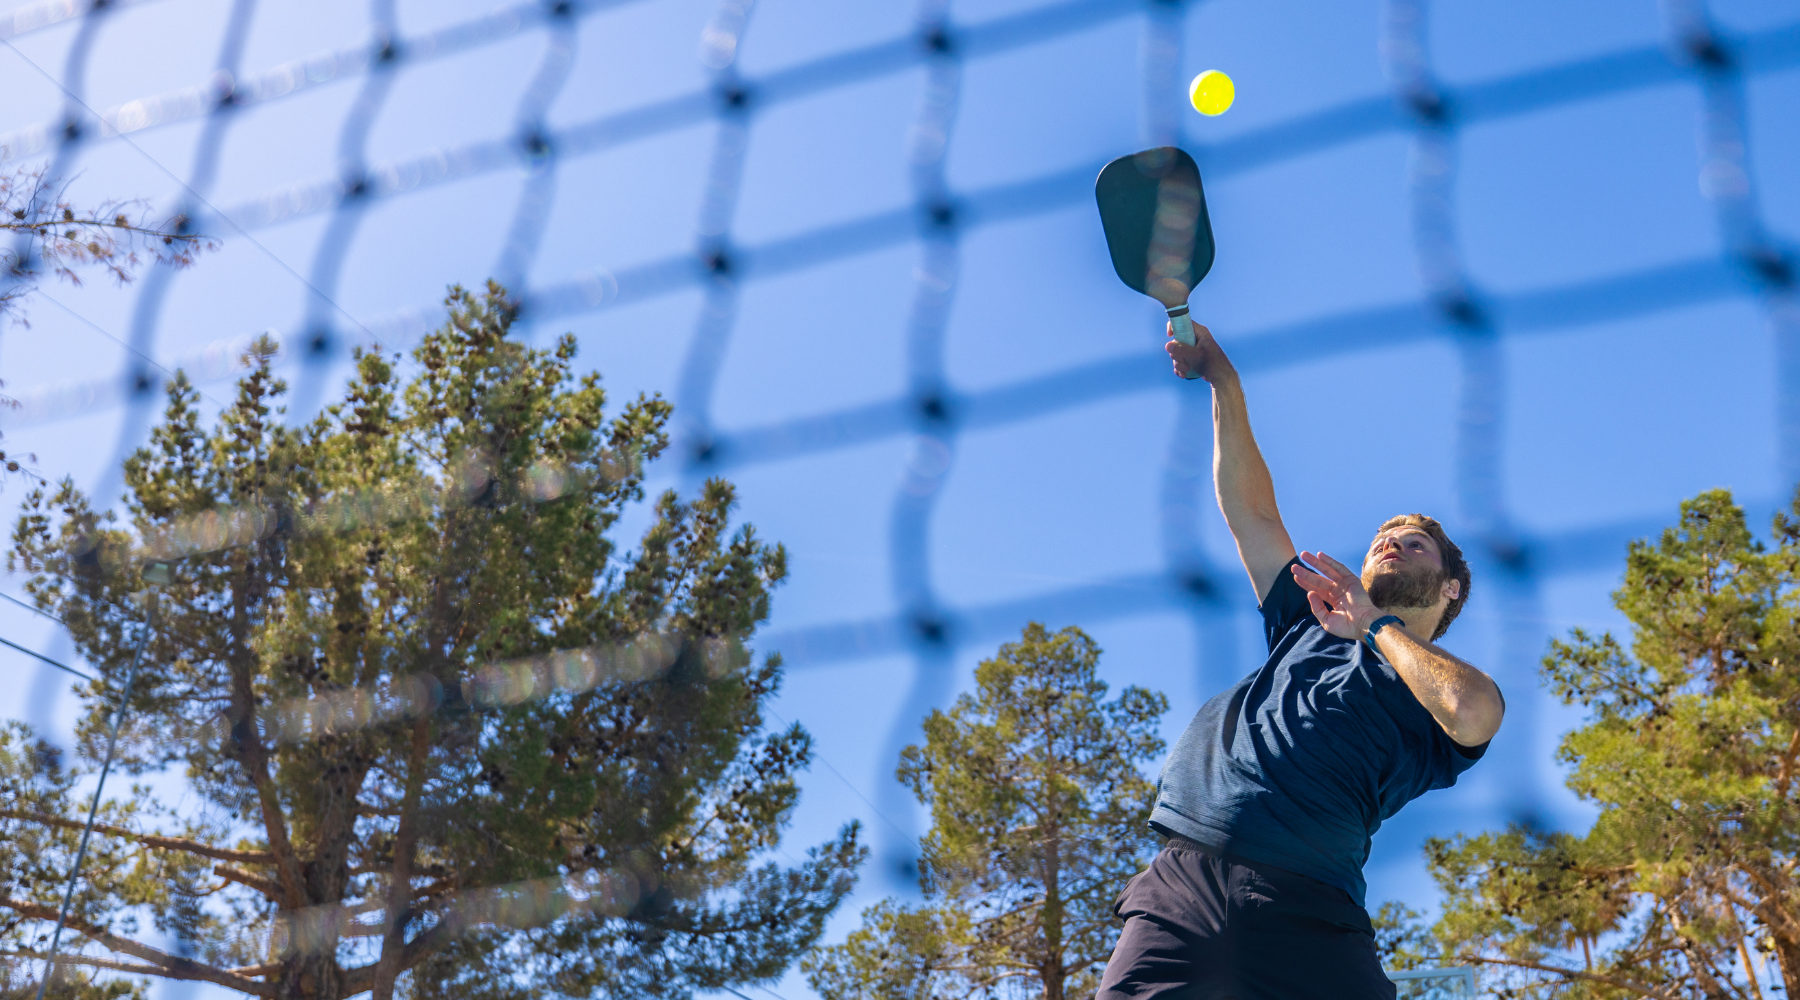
x=112, y=747
x=60, y=666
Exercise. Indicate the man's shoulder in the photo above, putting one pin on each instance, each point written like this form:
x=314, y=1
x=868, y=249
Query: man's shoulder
x=1283, y=589
x=1284, y=608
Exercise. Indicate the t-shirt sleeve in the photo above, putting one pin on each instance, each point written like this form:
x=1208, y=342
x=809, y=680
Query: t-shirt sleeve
x=1474, y=753
x=1284, y=606
x=1470, y=754
x=1445, y=759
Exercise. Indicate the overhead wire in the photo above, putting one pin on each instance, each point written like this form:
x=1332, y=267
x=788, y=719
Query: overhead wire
x=102, y=331
x=65, y=668
x=33, y=610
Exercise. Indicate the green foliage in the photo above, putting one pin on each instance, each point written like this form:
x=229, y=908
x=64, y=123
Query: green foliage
x=448, y=740
x=1039, y=815
x=19, y=981
x=1689, y=752
x=1402, y=939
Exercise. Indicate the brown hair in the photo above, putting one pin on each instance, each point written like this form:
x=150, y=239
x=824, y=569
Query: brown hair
x=1455, y=566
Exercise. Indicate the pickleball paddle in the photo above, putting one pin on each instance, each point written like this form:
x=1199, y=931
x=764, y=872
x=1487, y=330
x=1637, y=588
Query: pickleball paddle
x=1154, y=213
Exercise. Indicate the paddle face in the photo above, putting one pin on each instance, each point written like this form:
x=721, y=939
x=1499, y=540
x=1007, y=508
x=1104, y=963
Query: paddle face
x=1154, y=214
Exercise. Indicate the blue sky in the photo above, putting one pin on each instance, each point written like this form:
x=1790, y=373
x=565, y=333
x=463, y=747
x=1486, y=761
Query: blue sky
x=1635, y=366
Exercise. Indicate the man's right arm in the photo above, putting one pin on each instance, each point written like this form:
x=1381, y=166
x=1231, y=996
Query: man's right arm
x=1245, y=490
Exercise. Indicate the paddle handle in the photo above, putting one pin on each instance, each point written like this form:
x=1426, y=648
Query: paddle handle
x=1184, y=328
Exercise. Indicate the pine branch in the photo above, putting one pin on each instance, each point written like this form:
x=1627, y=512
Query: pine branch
x=1785, y=776
x=33, y=208
x=1769, y=909
x=1713, y=981
x=47, y=227
x=268, y=888
x=264, y=969
x=163, y=964
x=148, y=839
x=1613, y=981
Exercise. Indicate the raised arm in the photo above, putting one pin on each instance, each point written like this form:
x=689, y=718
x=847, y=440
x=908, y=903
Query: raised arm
x=1246, y=493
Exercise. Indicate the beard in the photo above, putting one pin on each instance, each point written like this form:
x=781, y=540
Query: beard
x=1403, y=588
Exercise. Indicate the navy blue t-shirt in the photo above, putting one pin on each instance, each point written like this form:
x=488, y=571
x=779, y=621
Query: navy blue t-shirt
x=1298, y=764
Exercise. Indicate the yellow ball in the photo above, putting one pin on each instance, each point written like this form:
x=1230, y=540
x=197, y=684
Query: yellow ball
x=1211, y=92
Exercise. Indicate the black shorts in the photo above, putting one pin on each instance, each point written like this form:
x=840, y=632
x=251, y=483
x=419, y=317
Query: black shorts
x=1200, y=927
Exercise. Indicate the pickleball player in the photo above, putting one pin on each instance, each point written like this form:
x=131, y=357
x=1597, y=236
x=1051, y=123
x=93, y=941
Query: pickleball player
x=1270, y=797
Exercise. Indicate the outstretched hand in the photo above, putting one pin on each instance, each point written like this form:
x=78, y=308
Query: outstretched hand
x=1336, y=595
x=1203, y=358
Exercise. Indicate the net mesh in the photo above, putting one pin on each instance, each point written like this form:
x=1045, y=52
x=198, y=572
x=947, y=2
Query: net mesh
x=932, y=414
x=1435, y=984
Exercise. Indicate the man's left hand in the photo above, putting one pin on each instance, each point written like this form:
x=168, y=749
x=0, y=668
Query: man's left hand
x=1336, y=595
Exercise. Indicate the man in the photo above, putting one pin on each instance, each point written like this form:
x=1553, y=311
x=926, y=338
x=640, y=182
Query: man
x=1269, y=799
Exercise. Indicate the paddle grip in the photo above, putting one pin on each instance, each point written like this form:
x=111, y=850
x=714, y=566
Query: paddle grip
x=1184, y=328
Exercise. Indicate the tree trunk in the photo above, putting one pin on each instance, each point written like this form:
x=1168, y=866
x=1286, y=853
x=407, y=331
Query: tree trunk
x=1787, y=955
x=1052, y=920
x=387, y=968
x=246, y=745
x=309, y=975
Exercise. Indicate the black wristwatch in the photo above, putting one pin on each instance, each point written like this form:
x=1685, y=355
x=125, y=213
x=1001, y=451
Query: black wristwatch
x=1380, y=623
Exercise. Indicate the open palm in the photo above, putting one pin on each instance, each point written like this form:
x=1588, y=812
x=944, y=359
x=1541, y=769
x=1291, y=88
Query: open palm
x=1336, y=595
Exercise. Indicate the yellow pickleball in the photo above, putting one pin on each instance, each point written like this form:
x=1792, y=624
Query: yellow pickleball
x=1211, y=92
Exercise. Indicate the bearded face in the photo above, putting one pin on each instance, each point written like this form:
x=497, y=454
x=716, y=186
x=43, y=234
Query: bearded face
x=1403, y=584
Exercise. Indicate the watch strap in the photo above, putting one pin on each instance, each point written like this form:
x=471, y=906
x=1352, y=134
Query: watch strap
x=1378, y=624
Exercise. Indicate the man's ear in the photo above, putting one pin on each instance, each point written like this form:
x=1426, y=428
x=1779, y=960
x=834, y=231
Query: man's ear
x=1452, y=589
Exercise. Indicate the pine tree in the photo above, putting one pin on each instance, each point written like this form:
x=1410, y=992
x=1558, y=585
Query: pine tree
x=1686, y=884
x=1039, y=816
x=444, y=739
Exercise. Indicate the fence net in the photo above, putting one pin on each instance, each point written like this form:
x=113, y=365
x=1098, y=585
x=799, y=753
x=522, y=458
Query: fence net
x=932, y=416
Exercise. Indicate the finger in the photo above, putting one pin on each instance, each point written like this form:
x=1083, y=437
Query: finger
x=1334, y=564
x=1320, y=608
x=1324, y=592
x=1334, y=594
x=1310, y=581
x=1329, y=567
x=1305, y=566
